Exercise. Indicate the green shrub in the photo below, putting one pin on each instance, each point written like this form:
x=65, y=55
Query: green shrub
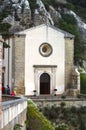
x=74, y=117
x=5, y=45
x=66, y=113
x=83, y=83
x=5, y=12
x=46, y=110
x=73, y=121
x=82, y=110
x=63, y=104
x=17, y=127
x=46, y=4
x=81, y=95
x=70, y=6
x=53, y=112
x=4, y=27
x=33, y=5
x=82, y=121
x=63, y=96
x=78, y=2
x=62, y=126
x=69, y=19
x=73, y=109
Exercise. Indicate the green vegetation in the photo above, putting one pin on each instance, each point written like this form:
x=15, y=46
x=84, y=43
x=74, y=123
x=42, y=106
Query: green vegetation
x=5, y=12
x=81, y=95
x=79, y=6
x=33, y=6
x=5, y=45
x=4, y=27
x=81, y=3
x=62, y=126
x=46, y=3
x=36, y=120
x=69, y=24
x=54, y=3
x=1, y=1
x=17, y=127
x=62, y=117
x=80, y=11
x=4, y=30
x=66, y=118
x=3, y=15
x=83, y=83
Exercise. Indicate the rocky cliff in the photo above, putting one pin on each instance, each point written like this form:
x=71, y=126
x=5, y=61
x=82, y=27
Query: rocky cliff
x=23, y=14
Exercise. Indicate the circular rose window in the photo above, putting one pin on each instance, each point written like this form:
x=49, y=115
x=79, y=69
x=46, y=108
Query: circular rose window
x=45, y=49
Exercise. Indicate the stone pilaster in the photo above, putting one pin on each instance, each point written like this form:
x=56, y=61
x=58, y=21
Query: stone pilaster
x=69, y=56
x=19, y=63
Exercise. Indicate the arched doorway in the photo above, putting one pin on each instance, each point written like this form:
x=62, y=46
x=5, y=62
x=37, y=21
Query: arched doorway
x=45, y=83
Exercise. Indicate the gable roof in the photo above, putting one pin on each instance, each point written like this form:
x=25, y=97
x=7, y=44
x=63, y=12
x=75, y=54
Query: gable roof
x=66, y=34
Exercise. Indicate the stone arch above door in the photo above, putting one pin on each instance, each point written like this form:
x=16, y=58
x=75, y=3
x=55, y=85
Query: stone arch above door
x=39, y=70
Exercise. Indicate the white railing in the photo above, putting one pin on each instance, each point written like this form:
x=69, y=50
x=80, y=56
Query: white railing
x=12, y=109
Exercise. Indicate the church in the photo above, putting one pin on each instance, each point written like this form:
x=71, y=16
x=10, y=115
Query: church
x=42, y=61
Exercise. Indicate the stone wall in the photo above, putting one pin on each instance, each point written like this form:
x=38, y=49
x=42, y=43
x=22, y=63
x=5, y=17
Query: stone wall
x=9, y=97
x=57, y=101
x=69, y=56
x=14, y=112
x=19, y=63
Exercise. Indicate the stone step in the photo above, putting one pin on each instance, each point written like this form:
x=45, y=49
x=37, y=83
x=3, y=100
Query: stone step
x=54, y=98
x=42, y=97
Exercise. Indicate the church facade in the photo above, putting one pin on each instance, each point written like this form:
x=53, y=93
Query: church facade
x=42, y=61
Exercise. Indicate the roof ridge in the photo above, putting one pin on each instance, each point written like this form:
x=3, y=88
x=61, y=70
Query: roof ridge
x=67, y=34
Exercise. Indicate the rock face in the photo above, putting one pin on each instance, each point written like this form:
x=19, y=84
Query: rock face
x=41, y=15
x=54, y=14
x=81, y=25
x=19, y=15
x=84, y=64
x=19, y=12
x=83, y=33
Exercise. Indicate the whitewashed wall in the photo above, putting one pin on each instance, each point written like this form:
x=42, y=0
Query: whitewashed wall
x=34, y=38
